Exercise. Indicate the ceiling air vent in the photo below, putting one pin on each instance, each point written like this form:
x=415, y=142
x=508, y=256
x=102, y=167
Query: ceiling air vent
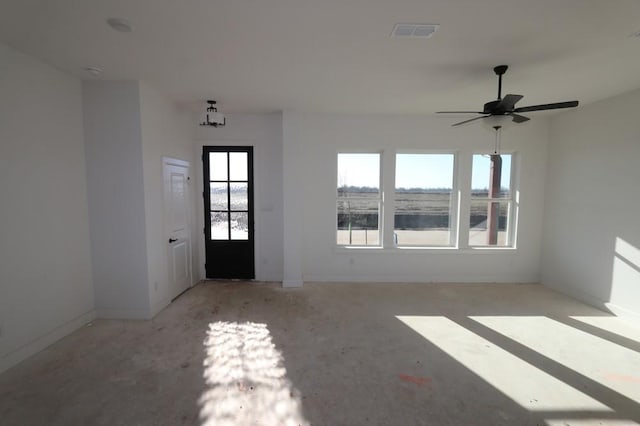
x=414, y=30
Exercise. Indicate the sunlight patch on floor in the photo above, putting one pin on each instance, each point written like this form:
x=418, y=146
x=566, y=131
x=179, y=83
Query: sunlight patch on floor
x=246, y=379
x=590, y=422
x=605, y=362
x=614, y=325
x=528, y=386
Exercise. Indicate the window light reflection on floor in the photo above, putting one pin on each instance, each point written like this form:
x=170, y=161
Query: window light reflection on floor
x=246, y=379
x=616, y=368
x=525, y=384
x=624, y=329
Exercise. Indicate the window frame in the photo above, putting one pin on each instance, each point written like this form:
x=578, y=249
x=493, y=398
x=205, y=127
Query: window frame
x=512, y=200
x=459, y=209
x=228, y=182
x=454, y=204
x=379, y=199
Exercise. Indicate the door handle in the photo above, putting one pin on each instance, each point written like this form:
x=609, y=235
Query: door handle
x=172, y=240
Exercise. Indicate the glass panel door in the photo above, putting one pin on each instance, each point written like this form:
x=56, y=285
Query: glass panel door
x=228, y=196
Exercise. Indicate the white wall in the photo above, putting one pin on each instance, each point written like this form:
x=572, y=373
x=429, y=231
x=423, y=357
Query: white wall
x=592, y=234
x=113, y=143
x=45, y=266
x=264, y=133
x=311, y=143
x=165, y=132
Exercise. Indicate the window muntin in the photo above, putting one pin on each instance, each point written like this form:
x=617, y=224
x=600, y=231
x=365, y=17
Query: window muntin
x=358, y=199
x=423, y=199
x=491, y=211
x=229, y=196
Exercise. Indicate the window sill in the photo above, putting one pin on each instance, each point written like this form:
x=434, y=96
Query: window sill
x=424, y=250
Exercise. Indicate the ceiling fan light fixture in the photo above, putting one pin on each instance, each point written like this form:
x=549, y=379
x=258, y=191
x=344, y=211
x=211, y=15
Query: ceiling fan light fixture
x=492, y=121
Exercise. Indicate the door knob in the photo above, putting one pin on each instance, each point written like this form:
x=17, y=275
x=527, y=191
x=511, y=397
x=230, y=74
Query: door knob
x=172, y=240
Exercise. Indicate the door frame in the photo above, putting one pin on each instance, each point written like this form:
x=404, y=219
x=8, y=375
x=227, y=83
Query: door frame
x=200, y=226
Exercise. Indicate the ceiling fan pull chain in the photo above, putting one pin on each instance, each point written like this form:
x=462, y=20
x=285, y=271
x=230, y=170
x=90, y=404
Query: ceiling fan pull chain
x=496, y=149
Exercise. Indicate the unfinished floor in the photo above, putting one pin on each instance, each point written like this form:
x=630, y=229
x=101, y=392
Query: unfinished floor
x=236, y=353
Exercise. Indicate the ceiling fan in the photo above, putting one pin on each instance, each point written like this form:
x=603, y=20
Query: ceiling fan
x=505, y=107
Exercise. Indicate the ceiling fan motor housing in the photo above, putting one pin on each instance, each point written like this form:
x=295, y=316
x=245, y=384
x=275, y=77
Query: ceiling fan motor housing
x=494, y=108
x=500, y=69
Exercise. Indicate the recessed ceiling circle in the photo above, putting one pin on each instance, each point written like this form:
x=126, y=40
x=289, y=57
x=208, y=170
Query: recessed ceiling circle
x=120, y=25
x=93, y=70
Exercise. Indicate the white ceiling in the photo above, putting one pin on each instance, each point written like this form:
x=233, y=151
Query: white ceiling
x=336, y=55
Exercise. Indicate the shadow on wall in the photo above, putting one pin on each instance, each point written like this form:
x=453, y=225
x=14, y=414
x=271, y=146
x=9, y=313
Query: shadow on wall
x=625, y=276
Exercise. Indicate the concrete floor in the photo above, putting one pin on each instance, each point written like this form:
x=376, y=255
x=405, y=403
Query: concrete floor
x=235, y=353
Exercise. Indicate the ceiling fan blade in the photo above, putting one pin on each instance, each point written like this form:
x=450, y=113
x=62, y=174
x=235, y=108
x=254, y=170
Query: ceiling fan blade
x=468, y=121
x=509, y=102
x=557, y=105
x=459, y=112
x=517, y=118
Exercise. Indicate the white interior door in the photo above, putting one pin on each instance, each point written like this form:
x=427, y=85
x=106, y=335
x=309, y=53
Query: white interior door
x=177, y=223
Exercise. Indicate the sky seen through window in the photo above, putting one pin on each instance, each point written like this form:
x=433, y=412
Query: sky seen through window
x=426, y=171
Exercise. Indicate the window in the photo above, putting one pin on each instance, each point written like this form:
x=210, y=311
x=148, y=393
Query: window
x=491, y=210
x=423, y=199
x=358, y=199
x=229, y=196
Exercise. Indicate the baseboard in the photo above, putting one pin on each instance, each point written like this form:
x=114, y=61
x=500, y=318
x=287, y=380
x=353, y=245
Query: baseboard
x=580, y=295
x=589, y=299
x=12, y=358
x=623, y=312
x=159, y=306
x=135, y=314
x=292, y=283
x=440, y=279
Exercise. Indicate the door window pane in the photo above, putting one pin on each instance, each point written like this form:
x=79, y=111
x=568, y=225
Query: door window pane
x=358, y=222
x=359, y=175
x=239, y=226
x=219, y=225
x=423, y=188
x=219, y=197
x=238, y=165
x=239, y=196
x=218, y=166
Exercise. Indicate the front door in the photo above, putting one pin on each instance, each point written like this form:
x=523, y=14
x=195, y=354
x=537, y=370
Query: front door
x=177, y=224
x=228, y=204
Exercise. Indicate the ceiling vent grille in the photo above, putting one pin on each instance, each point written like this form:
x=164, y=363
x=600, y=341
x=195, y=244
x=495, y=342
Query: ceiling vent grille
x=414, y=30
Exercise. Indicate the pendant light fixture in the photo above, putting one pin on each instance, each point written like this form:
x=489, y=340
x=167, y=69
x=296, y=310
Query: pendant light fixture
x=212, y=117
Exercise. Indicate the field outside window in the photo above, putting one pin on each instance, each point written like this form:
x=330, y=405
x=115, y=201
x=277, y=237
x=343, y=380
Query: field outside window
x=423, y=199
